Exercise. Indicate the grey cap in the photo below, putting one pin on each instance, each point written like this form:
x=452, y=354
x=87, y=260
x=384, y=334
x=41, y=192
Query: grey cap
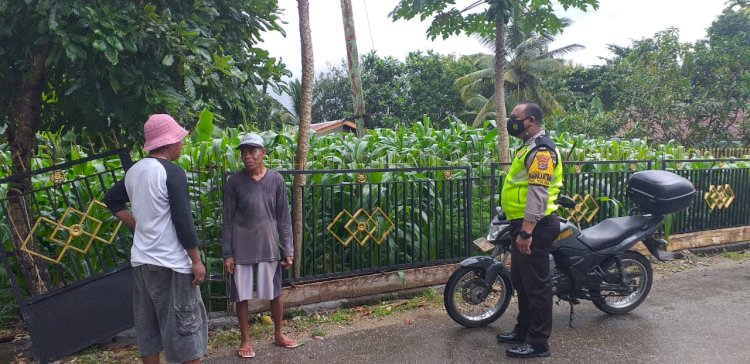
x=251, y=140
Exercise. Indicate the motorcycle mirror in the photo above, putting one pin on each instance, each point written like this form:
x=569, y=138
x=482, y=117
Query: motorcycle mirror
x=500, y=217
x=565, y=202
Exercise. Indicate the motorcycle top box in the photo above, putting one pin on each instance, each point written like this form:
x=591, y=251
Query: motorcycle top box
x=660, y=192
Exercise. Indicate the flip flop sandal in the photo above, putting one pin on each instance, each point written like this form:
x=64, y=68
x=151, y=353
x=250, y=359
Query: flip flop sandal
x=246, y=353
x=287, y=343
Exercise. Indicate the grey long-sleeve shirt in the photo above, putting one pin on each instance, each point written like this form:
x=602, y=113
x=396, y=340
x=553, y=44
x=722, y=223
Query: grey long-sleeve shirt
x=256, y=219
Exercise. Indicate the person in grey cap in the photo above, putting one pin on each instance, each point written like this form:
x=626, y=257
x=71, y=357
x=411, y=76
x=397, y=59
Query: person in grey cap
x=256, y=223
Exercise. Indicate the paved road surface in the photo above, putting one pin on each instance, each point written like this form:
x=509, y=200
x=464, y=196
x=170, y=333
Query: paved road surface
x=701, y=315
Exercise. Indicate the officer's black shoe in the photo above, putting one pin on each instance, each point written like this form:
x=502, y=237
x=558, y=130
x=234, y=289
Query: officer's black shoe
x=509, y=338
x=528, y=351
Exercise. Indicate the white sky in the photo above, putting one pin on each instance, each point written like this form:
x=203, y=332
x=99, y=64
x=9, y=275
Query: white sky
x=615, y=22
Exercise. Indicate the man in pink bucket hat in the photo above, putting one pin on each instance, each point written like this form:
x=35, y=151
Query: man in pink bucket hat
x=162, y=130
x=168, y=311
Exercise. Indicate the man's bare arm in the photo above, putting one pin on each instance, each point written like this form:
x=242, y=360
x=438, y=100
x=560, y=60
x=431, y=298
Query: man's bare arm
x=127, y=218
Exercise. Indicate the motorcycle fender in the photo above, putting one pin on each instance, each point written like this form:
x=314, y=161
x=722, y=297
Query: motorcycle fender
x=654, y=246
x=492, y=268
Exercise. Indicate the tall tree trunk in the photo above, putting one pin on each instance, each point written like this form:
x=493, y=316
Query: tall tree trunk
x=503, y=144
x=355, y=74
x=303, y=141
x=20, y=135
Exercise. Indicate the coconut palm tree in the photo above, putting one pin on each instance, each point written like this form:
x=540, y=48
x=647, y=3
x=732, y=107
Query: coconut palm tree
x=283, y=115
x=528, y=62
x=304, y=111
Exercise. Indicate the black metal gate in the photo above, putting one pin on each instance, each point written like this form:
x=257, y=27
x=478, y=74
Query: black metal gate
x=364, y=221
x=67, y=257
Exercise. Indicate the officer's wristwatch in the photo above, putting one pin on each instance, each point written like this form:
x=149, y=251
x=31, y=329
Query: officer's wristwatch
x=523, y=234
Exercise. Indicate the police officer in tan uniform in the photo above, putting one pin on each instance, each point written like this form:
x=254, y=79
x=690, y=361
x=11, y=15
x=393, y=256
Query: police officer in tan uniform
x=528, y=200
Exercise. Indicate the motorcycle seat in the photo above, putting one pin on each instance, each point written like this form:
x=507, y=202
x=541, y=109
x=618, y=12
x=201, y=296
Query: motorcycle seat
x=611, y=232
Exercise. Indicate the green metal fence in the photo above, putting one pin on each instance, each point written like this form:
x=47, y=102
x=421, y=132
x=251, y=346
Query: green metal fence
x=722, y=199
x=600, y=188
x=364, y=221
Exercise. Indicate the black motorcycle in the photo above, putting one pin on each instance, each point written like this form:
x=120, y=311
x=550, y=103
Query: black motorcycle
x=593, y=264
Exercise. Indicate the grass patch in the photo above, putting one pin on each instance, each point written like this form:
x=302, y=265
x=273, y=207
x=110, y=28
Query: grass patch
x=95, y=355
x=428, y=298
x=259, y=331
x=736, y=256
x=342, y=316
x=382, y=310
x=223, y=339
x=298, y=322
x=318, y=332
x=670, y=266
x=294, y=312
x=432, y=296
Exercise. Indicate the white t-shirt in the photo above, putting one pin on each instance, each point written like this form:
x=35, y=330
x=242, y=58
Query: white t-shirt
x=157, y=191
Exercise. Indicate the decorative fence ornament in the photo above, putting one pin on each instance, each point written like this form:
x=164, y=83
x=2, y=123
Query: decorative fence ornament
x=57, y=177
x=719, y=197
x=585, y=209
x=362, y=226
x=68, y=237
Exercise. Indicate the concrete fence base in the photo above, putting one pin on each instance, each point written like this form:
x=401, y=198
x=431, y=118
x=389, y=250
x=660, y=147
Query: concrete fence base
x=408, y=279
x=355, y=287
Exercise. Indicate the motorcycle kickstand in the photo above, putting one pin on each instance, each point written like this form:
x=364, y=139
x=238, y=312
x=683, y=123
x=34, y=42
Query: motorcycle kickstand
x=572, y=317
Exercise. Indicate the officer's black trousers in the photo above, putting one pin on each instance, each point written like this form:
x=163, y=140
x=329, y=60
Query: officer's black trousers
x=531, y=279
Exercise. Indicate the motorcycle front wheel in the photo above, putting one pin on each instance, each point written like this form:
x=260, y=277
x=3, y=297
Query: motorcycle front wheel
x=470, y=302
x=638, y=279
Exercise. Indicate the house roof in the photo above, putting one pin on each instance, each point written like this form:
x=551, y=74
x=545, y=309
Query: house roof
x=329, y=125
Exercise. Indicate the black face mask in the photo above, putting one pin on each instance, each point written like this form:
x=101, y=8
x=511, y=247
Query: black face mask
x=515, y=126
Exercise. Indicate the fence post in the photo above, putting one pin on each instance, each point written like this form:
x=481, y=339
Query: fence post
x=469, y=200
x=127, y=162
x=492, y=189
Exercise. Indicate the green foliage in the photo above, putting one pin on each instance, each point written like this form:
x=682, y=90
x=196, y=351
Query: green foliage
x=529, y=63
x=539, y=15
x=211, y=152
x=696, y=94
x=396, y=93
x=656, y=87
x=736, y=256
x=8, y=306
x=591, y=122
x=530, y=15
x=431, y=92
x=107, y=65
x=578, y=88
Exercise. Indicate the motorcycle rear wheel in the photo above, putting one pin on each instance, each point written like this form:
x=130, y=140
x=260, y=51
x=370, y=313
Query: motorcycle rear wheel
x=638, y=274
x=468, y=302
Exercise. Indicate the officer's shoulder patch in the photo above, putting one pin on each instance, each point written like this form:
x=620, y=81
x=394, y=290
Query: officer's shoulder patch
x=541, y=169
